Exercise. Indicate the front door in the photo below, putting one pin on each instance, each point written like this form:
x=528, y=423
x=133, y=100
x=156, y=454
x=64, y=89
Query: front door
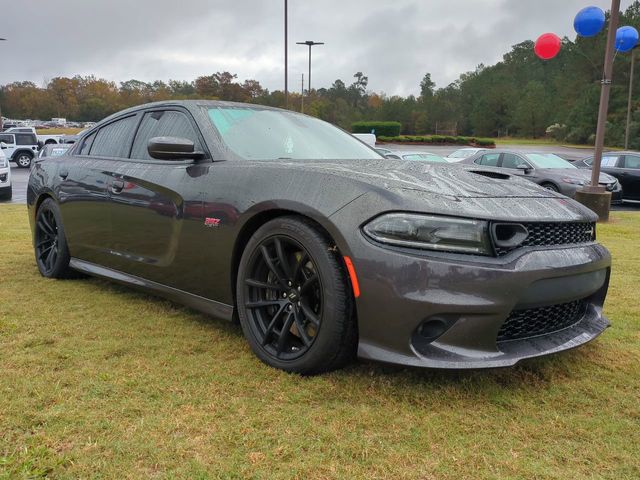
x=155, y=204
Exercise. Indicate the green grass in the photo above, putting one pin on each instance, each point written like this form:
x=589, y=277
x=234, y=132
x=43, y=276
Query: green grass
x=503, y=141
x=97, y=381
x=59, y=131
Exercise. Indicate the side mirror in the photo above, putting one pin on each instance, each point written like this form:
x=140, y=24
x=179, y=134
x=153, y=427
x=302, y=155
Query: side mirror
x=391, y=156
x=3, y=146
x=524, y=167
x=172, y=148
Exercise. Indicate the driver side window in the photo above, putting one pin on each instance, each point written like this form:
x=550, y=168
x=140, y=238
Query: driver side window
x=509, y=160
x=489, y=160
x=166, y=123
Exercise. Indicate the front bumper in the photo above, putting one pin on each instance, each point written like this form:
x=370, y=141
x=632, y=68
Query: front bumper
x=473, y=297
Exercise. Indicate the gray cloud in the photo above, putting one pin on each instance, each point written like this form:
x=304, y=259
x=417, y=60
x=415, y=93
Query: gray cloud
x=394, y=43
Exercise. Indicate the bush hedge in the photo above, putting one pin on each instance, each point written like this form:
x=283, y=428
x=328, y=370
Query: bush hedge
x=438, y=139
x=388, y=129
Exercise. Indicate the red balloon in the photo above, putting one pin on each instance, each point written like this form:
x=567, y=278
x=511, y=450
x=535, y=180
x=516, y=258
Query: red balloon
x=548, y=46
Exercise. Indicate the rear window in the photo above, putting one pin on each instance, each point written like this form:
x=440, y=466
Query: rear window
x=631, y=161
x=114, y=140
x=26, y=139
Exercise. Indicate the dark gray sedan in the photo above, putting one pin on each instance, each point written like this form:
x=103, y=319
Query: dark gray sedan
x=321, y=248
x=546, y=169
x=625, y=166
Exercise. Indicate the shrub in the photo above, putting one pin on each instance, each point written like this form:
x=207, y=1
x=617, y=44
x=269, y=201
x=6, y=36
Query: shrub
x=386, y=129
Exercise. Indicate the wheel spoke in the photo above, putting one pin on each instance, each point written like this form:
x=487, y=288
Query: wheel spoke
x=282, y=259
x=44, y=226
x=45, y=251
x=302, y=329
x=259, y=284
x=44, y=242
x=308, y=282
x=303, y=259
x=284, y=333
x=262, y=303
x=311, y=316
x=272, y=324
x=48, y=261
x=272, y=267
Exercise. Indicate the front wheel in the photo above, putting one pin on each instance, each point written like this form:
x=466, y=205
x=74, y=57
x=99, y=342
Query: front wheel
x=24, y=160
x=550, y=187
x=293, y=300
x=50, y=242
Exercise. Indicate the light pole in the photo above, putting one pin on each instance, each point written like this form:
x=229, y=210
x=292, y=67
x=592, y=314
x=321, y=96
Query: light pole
x=310, y=43
x=626, y=132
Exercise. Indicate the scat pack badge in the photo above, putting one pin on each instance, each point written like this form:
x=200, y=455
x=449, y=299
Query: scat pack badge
x=211, y=222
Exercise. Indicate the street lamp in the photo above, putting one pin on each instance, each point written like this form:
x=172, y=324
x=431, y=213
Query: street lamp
x=310, y=43
x=626, y=133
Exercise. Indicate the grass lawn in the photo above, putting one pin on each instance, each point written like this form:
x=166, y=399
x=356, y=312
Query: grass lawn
x=59, y=131
x=100, y=382
x=502, y=141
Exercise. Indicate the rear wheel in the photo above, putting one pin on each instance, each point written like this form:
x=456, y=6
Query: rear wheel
x=23, y=159
x=52, y=253
x=293, y=299
x=550, y=186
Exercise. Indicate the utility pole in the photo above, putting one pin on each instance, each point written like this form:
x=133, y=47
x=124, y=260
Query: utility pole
x=302, y=95
x=626, y=132
x=286, y=54
x=595, y=196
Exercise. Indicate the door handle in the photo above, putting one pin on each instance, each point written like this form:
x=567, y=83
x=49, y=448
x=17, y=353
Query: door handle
x=63, y=174
x=117, y=186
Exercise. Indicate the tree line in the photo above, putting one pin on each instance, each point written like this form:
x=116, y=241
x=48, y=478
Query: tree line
x=520, y=95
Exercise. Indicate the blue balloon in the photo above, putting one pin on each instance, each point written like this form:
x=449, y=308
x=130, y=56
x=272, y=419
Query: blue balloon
x=589, y=21
x=626, y=39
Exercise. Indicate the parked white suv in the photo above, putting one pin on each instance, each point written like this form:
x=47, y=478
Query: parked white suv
x=21, y=148
x=6, y=190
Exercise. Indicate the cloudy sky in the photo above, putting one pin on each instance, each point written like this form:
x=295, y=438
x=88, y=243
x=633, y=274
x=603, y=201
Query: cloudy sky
x=394, y=42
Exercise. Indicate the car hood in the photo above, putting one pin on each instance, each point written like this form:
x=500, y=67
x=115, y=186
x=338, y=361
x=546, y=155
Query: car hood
x=577, y=174
x=455, y=181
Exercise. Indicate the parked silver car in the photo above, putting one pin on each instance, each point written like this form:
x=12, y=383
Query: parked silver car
x=546, y=169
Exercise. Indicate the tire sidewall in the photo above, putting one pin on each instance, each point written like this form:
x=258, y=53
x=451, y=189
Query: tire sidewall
x=334, y=307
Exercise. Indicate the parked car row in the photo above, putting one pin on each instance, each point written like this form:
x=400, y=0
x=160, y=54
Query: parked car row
x=620, y=173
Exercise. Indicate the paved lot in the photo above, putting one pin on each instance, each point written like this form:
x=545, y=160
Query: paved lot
x=20, y=176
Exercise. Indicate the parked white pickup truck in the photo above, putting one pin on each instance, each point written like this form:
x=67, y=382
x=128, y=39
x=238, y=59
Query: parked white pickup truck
x=45, y=139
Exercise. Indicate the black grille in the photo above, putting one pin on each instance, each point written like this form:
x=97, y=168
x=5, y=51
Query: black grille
x=539, y=321
x=552, y=233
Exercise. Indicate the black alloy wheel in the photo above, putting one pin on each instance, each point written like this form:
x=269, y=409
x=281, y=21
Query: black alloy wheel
x=52, y=254
x=283, y=297
x=293, y=299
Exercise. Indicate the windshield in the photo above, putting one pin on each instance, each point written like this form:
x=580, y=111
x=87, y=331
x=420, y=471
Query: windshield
x=424, y=157
x=254, y=133
x=548, y=160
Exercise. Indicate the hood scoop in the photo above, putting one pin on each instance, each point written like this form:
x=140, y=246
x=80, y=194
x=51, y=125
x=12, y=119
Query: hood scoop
x=491, y=174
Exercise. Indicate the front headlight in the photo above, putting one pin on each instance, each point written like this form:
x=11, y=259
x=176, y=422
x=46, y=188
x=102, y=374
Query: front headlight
x=573, y=181
x=447, y=234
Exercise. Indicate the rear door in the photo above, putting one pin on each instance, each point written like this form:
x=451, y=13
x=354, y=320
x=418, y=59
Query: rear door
x=630, y=177
x=156, y=203
x=82, y=195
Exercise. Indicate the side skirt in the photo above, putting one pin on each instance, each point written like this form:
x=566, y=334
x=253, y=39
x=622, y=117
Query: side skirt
x=210, y=307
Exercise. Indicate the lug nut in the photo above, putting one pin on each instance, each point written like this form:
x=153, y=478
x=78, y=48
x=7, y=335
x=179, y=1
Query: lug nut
x=284, y=295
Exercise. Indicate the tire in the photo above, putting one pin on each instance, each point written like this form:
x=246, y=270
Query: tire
x=50, y=243
x=23, y=159
x=6, y=194
x=293, y=299
x=550, y=186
